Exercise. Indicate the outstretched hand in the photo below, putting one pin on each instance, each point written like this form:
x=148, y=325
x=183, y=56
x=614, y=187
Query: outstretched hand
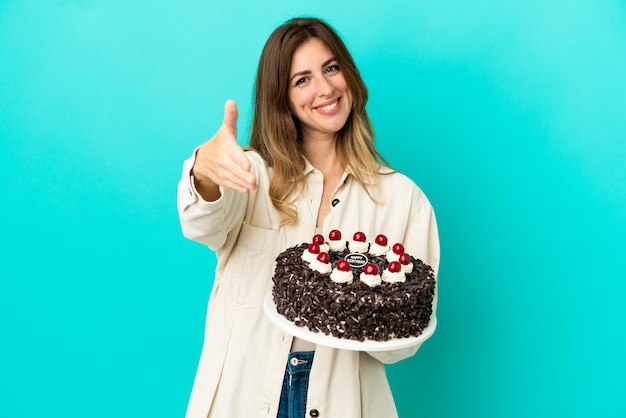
x=221, y=161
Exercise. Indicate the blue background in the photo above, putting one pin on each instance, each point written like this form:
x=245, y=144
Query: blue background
x=510, y=115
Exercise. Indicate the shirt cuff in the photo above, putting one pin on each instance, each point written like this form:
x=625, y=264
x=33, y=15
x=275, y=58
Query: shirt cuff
x=189, y=185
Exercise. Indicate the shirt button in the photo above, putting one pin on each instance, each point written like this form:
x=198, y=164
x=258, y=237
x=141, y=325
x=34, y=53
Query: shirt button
x=293, y=361
x=314, y=413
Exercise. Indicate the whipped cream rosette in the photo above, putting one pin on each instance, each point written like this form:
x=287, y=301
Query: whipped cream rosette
x=319, y=240
x=370, y=275
x=393, y=273
x=342, y=273
x=359, y=243
x=379, y=246
x=321, y=263
x=396, y=250
x=335, y=243
x=310, y=253
x=405, y=263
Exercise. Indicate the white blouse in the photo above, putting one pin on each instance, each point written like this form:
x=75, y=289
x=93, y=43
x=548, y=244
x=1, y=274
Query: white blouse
x=243, y=359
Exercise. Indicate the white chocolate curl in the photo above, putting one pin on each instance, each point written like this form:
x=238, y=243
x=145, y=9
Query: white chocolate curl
x=396, y=277
x=339, y=276
x=376, y=249
x=371, y=280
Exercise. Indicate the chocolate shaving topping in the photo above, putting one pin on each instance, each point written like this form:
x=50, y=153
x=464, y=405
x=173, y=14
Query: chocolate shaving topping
x=352, y=311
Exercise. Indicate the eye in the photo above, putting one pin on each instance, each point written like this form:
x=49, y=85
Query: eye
x=331, y=69
x=301, y=81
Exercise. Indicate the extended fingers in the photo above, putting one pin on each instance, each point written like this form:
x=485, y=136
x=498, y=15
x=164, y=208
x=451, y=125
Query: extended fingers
x=233, y=175
x=228, y=166
x=222, y=160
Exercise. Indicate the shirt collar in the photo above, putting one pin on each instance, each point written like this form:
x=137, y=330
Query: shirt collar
x=308, y=168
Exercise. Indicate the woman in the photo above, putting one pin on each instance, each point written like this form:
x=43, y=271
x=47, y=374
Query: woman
x=312, y=166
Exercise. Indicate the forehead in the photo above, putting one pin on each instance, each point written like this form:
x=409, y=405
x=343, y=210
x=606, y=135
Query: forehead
x=310, y=55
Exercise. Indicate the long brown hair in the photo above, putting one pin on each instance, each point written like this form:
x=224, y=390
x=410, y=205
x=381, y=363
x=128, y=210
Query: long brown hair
x=277, y=136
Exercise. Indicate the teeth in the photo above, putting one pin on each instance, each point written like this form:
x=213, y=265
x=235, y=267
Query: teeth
x=328, y=107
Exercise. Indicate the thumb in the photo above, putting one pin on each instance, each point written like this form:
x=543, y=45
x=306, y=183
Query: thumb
x=230, y=116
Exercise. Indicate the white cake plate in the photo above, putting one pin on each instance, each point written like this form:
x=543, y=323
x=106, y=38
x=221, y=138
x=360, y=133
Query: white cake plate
x=345, y=344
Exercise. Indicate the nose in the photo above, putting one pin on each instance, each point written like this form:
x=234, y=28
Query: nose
x=324, y=87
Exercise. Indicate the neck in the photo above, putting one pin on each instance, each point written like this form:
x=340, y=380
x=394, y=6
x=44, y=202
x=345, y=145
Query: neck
x=322, y=155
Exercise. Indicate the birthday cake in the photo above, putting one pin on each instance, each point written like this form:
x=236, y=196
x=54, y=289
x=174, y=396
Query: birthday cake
x=354, y=289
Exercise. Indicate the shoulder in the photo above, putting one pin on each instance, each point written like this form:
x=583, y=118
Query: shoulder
x=398, y=187
x=257, y=162
x=255, y=158
x=395, y=180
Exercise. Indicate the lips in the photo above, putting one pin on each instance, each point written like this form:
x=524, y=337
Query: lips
x=330, y=107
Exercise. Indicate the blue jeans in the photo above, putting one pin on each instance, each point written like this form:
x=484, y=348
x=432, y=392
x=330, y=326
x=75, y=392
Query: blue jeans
x=295, y=385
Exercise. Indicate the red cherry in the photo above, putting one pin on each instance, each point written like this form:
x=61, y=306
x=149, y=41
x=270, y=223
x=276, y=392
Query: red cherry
x=314, y=248
x=370, y=269
x=398, y=248
x=405, y=258
x=394, y=267
x=359, y=236
x=381, y=240
x=318, y=239
x=334, y=235
x=343, y=265
x=323, y=258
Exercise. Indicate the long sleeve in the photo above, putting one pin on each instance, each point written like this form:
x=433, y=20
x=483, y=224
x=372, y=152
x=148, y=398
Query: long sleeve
x=208, y=222
x=422, y=241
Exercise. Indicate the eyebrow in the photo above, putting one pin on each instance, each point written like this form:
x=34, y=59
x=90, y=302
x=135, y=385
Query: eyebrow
x=305, y=72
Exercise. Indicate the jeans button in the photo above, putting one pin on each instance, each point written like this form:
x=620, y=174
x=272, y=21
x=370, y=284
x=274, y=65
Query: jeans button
x=293, y=361
x=314, y=413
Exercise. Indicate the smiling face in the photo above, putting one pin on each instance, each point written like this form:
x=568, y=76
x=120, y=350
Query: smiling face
x=318, y=93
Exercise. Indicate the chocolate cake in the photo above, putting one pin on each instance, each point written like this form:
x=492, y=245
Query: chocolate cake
x=354, y=289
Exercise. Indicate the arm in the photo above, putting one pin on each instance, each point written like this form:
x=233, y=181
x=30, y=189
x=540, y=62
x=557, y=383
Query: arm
x=207, y=222
x=422, y=241
x=214, y=185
